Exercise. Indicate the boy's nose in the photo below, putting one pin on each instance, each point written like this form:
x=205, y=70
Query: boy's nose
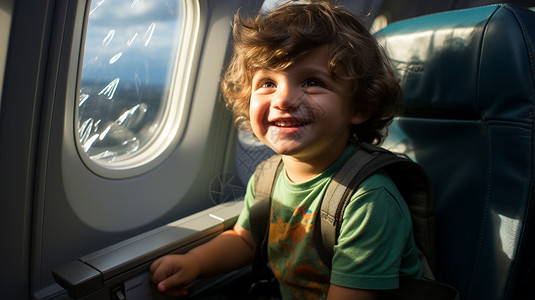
x=287, y=98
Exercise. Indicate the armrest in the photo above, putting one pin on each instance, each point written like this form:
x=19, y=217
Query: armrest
x=107, y=273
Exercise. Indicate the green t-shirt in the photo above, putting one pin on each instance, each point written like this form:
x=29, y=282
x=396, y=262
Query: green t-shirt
x=375, y=246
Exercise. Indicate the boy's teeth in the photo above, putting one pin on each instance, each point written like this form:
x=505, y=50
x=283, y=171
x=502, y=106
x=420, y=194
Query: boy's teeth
x=286, y=123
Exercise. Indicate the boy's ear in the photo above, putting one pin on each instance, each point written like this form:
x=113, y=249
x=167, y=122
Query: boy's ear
x=361, y=115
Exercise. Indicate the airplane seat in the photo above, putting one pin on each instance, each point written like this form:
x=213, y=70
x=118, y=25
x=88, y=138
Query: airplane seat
x=468, y=84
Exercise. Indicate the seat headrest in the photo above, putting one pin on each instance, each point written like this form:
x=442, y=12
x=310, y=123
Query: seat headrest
x=467, y=64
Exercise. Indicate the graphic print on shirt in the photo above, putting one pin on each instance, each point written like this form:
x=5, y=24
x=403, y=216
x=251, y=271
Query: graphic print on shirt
x=293, y=255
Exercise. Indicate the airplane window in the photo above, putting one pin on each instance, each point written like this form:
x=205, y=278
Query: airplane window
x=129, y=105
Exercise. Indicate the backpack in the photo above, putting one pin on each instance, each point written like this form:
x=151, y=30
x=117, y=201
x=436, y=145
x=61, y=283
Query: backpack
x=410, y=179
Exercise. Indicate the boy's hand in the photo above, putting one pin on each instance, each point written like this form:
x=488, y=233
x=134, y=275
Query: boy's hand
x=232, y=249
x=173, y=273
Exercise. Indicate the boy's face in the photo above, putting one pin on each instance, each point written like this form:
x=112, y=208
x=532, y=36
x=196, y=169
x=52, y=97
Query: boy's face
x=302, y=111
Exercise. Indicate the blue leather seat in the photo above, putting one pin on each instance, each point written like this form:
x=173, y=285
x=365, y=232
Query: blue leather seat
x=469, y=88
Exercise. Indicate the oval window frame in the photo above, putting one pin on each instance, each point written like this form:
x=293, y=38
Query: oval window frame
x=172, y=126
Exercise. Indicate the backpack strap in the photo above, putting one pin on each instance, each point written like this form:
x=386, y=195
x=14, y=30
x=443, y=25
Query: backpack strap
x=364, y=161
x=336, y=196
x=265, y=175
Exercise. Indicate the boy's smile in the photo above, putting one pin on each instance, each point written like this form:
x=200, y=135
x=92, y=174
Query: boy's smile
x=291, y=122
x=288, y=125
x=302, y=111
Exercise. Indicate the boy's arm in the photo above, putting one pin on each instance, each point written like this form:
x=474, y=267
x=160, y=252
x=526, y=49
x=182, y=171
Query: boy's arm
x=340, y=292
x=228, y=251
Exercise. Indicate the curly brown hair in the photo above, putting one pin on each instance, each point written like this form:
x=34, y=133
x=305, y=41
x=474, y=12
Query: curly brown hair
x=277, y=40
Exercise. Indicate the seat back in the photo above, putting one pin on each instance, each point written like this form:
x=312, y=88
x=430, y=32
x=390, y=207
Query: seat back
x=468, y=84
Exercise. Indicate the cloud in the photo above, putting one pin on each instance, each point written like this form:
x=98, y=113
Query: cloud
x=131, y=34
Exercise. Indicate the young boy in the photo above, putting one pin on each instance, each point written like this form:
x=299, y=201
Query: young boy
x=311, y=82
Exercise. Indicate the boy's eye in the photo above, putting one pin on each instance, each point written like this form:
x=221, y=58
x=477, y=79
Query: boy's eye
x=268, y=84
x=312, y=83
